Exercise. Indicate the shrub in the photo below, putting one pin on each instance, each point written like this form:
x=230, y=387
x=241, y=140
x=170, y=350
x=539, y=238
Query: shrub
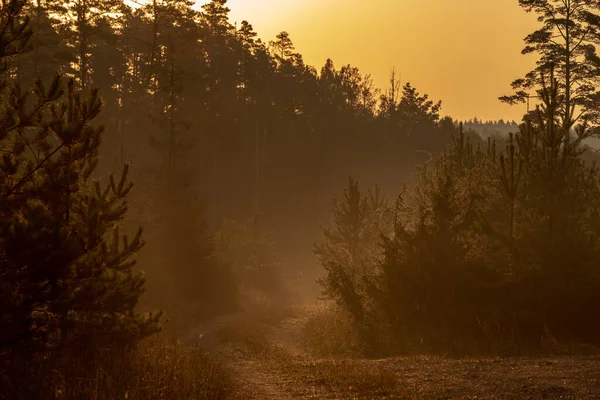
x=490, y=250
x=350, y=253
x=330, y=331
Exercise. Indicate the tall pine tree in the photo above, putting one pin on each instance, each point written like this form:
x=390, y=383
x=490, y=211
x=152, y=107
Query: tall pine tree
x=67, y=274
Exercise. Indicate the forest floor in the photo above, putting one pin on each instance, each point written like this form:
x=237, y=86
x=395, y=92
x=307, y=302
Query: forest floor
x=267, y=355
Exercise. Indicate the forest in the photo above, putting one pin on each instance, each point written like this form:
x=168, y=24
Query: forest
x=180, y=199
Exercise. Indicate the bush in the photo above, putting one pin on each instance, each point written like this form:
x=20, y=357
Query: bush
x=350, y=252
x=330, y=331
x=490, y=251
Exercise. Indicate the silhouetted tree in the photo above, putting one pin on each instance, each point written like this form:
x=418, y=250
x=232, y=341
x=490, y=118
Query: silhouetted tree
x=238, y=119
x=49, y=53
x=566, y=44
x=67, y=273
x=83, y=23
x=349, y=253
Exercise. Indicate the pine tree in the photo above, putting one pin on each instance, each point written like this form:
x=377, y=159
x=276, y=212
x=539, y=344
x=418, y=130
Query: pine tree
x=558, y=233
x=67, y=274
x=515, y=229
x=283, y=48
x=17, y=34
x=84, y=23
x=198, y=286
x=49, y=54
x=566, y=44
x=349, y=251
x=430, y=263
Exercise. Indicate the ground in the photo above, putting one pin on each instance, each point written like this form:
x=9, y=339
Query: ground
x=270, y=361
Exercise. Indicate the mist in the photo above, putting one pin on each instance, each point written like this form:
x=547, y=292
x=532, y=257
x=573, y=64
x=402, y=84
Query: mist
x=192, y=211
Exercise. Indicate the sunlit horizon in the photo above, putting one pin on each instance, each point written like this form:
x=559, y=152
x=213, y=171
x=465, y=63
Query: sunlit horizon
x=459, y=57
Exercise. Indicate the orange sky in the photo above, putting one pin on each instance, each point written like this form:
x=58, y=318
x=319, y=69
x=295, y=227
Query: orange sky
x=463, y=52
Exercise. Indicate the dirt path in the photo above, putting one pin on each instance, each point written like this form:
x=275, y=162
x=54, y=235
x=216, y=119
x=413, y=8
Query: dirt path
x=260, y=383
x=268, y=376
x=205, y=334
x=287, y=336
x=259, y=353
x=269, y=360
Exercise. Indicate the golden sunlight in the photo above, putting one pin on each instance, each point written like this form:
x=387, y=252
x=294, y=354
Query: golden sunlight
x=455, y=51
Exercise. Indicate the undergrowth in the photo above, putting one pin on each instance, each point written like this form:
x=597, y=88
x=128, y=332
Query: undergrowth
x=329, y=332
x=157, y=368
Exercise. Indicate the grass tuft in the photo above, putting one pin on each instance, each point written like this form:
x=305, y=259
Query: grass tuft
x=329, y=331
x=158, y=368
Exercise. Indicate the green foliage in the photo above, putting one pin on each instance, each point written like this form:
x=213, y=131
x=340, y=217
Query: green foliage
x=565, y=43
x=534, y=210
x=491, y=250
x=49, y=53
x=174, y=76
x=186, y=277
x=68, y=278
x=349, y=253
x=86, y=29
x=64, y=280
x=430, y=259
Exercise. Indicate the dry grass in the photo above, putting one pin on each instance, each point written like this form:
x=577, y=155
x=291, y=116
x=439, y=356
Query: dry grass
x=349, y=378
x=442, y=378
x=274, y=371
x=157, y=369
x=329, y=332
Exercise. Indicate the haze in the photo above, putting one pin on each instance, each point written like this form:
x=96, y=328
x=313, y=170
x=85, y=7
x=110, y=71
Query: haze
x=343, y=209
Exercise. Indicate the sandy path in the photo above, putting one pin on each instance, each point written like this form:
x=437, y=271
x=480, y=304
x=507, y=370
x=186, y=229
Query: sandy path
x=259, y=377
x=271, y=380
x=259, y=382
x=286, y=370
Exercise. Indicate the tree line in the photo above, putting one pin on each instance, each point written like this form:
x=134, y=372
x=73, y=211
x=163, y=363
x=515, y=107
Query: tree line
x=494, y=249
x=486, y=129
x=210, y=118
x=181, y=85
x=218, y=123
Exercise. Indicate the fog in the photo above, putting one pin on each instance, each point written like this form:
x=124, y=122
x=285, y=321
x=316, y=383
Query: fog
x=191, y=212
